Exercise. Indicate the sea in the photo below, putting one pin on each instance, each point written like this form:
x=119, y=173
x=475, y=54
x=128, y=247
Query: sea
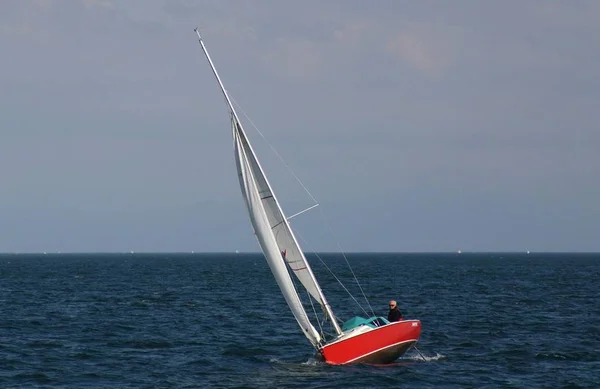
x=205, y=320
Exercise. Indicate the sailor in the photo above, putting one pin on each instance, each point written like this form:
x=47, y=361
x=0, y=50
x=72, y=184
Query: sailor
x=394, y=314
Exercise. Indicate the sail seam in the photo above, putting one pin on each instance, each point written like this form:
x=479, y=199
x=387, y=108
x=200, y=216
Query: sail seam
x=278, y=224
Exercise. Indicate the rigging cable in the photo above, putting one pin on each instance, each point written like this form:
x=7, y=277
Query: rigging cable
x=322, y=215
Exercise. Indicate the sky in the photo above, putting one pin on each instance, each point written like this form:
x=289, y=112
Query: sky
x=417, y=126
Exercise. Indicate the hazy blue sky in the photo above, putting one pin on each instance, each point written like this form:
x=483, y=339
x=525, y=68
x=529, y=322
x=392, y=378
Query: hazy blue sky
x=418, y=126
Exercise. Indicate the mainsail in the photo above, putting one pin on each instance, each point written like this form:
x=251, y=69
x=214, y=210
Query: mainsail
x=250, y=179
x=271, y=226
x=288, y=246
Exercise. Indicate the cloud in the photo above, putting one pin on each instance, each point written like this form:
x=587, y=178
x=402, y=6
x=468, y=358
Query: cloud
x=355, y=39
x=296, y=59
x=98, y=3
x=419, y=50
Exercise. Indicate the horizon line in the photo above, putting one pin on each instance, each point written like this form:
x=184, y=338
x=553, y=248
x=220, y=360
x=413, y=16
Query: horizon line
x=131, y=252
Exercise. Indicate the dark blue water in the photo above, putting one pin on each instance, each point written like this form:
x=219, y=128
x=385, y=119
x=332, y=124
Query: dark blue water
x=218, y=320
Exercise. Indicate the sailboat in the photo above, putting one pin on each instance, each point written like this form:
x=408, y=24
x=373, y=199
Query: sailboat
x=357, y=340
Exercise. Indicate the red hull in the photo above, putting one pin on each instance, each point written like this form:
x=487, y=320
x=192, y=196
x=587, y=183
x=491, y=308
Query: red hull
x=381, y=345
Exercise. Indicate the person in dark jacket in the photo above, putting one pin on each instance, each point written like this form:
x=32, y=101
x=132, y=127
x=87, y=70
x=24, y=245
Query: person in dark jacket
x=394, y=314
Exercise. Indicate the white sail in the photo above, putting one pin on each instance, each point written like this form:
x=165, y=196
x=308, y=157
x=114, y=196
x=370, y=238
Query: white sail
x=249, y=177
x=271, y=226
x=286, y=242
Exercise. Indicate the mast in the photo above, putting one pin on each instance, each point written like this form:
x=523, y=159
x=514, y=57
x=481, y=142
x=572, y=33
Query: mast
x=326, y=305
